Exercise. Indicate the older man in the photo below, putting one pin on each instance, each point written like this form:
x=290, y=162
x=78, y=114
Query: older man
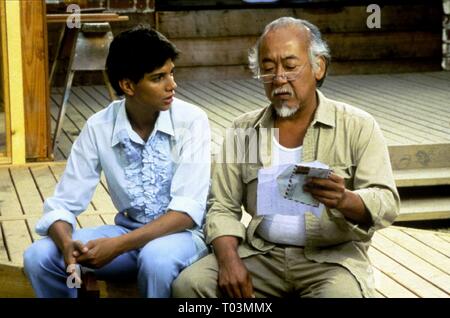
x=322, y=254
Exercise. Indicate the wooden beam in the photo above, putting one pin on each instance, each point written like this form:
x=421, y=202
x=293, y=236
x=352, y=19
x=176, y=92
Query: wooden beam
x=15, y=75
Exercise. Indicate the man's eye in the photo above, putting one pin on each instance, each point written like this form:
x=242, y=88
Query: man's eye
x=290, y=67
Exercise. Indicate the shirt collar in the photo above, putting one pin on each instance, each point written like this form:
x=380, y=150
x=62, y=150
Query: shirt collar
x=163, y=124
x=324, y=114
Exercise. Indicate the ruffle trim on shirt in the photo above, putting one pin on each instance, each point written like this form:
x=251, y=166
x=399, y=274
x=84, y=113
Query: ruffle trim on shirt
x=148, y=176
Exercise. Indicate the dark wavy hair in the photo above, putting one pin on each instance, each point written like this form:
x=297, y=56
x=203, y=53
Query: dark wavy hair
x=135, y=52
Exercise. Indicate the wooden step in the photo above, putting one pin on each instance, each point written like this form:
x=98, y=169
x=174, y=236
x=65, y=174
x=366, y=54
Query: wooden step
x=429, y=208
x=422, y=177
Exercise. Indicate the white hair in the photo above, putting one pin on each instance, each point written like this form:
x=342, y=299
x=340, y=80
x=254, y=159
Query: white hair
x=317, y=46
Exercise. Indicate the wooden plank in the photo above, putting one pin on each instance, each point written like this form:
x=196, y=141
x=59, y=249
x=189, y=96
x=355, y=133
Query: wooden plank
x=392, y=117
x=431, y=240
x=214, y=51
x=86, y=103
x=26, y=217
x=14, y=282
x=45, y=180
x=387, y=287
x=383, y=89
x=9, y=201
x=108, y=218
x=86, y=17
x=36, y=94
x=31, y=221
x=30, y=197
x=420, y=156
x=64, y=143
x=69, y=127
x=384, y=66
x=404, y=276
x=444, y=236
x=99, y=98
x=214, y=114
x=207, y=73
x=389, y=45
x=431, y=208
x=405, y=92
x=3, y=252
x=422, y=177
x=345, y=47
x=216, y=23
x=89, y=220
x=217, y=101
x=17, y=239
x=237, y=103
x=406, y=238
x=411, y=261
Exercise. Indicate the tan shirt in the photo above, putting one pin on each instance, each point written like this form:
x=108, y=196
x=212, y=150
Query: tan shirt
x=348, y=140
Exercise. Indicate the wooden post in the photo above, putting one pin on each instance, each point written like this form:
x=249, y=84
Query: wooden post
x=35, y=79
x=15, y=78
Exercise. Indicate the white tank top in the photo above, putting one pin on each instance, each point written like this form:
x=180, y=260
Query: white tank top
x=279, y=228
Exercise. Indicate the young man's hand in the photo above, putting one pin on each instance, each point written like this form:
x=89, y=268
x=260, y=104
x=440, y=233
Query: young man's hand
x=99, y=252
x=70, y=251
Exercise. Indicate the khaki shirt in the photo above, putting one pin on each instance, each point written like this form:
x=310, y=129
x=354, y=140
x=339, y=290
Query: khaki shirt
x=348, y=140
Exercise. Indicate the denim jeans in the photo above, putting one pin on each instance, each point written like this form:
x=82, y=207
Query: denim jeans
x=155, y=265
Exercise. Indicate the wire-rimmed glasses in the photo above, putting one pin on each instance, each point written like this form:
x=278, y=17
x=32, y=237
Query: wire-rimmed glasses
x=289, y=76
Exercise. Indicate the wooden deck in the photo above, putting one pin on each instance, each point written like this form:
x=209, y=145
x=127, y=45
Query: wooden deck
x=413, y=111
x=407, y=262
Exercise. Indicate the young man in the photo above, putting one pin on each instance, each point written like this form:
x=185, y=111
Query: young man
x=307, y=254
x=154, y=150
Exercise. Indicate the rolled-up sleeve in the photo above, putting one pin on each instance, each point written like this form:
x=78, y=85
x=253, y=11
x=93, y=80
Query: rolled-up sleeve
x=190, y=183
x=374, y=181
x=76, y=187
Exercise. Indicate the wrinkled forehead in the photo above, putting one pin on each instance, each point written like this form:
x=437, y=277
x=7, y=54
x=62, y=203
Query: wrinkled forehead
x=284, y=42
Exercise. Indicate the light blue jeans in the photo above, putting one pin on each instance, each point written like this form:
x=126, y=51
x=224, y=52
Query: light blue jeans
x=155, y=265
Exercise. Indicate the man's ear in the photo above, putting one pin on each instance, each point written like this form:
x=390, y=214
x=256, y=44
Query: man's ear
x=127, y=86
x=320, y=72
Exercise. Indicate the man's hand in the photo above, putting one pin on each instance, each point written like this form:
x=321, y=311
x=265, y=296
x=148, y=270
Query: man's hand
x=333, y=194
x=331, y=191
x=234, y=279
x=100, y=252
x=72, y=250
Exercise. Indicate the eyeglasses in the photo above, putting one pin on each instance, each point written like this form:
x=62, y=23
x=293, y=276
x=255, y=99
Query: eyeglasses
x=289, y=76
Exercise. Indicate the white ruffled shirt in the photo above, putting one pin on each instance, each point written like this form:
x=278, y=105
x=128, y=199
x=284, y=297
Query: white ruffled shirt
x=171, y=171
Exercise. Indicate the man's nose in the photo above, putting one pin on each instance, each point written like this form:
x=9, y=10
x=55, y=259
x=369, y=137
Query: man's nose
x=280, y=79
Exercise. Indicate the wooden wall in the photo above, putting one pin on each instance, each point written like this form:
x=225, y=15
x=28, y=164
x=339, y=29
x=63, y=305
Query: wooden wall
x=215, y=42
